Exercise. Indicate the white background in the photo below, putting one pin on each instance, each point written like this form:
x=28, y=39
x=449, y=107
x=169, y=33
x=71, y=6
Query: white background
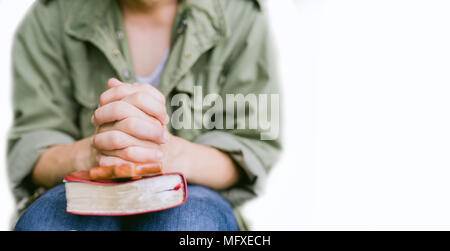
x=366, y=94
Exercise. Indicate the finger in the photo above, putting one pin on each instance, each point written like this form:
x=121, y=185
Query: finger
x=101, y=172
x=116, y=111
x=120, y=91
x=114, y=82
x=137, y=170
x=136, y=154
x=150, y=129
x=104, y=160
x=115, y=140
x=150, y=106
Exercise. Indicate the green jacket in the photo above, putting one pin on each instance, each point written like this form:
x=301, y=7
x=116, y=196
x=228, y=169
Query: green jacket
x=65, y=51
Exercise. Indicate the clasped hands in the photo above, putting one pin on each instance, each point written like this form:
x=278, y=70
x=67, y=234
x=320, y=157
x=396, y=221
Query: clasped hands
x=131, y=125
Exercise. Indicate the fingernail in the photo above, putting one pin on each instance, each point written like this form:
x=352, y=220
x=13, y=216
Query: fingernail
x=115, y=82
x=92, y=119
x=92, y=140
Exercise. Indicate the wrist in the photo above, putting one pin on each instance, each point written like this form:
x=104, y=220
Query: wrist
x=176, y=153
x=82, y=155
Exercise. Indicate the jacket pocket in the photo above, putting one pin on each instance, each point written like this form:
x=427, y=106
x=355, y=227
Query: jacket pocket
x=87, y=95
x=87, y=91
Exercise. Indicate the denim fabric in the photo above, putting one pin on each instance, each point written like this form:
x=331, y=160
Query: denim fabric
x=204, y=210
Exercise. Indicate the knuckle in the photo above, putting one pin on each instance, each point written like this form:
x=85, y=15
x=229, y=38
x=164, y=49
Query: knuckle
x=153, y=121
x=151, y=89
x=147, y=88
x=119, y=91
x=117, y=107
x=115, y=139
x=98, y=141
x=162, y=111
x=157, y=131
x=97, y=114
x=94, y=141
x=140, y=97
x=161, y=134
x=128, y=153
x=103, y=98
x=130, y=124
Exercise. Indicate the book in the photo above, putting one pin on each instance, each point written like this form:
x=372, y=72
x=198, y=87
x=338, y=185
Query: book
x=124, y=190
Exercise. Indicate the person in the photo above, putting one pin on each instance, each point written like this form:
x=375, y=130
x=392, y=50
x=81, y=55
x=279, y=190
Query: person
x=95, y=84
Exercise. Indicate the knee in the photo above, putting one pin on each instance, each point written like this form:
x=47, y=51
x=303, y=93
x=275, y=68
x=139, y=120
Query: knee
x=36, y=216
x=205, y=210
x=200, y=194
x=211, y=210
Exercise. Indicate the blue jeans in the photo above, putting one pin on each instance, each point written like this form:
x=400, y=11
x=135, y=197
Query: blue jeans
x=204, y=210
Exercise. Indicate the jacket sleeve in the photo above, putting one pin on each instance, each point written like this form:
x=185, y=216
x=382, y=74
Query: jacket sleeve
x=251, y=71
x=43, y=106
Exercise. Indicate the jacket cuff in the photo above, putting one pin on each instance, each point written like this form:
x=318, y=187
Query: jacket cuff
x=24, y=155
x=253, y=182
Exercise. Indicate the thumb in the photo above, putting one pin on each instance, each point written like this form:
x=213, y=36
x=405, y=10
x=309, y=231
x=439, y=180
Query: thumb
x=114, y=82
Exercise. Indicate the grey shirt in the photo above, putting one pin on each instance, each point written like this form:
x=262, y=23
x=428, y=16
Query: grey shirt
x=155, y=78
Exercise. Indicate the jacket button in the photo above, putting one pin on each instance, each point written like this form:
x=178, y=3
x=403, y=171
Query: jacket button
x=116, y=52
x=188, y=54
x=120, y=35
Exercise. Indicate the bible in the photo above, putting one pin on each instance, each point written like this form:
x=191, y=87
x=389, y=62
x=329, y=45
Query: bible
x=124, y=190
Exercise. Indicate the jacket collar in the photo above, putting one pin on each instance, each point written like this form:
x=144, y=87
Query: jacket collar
x=88, y=15
x=200, y=25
